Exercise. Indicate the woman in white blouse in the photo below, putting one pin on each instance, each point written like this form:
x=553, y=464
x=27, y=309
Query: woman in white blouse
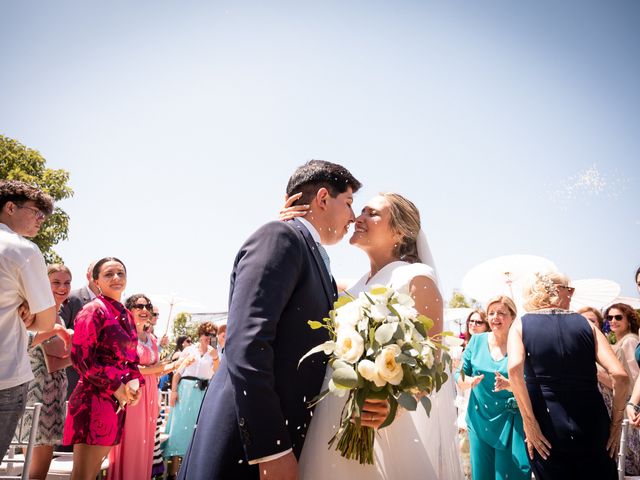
x=187, y=392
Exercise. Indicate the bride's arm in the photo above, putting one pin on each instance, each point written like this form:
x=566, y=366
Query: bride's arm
x=428, y=300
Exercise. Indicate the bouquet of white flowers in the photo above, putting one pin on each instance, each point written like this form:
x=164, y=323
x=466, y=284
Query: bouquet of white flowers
x=379, y=349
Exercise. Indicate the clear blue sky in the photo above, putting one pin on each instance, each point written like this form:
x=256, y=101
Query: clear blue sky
x=514, y=126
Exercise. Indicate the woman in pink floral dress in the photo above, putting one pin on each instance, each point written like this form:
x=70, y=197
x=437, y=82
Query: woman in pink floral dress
x=105, y=356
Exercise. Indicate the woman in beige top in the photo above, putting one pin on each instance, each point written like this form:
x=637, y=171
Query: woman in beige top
x=624, y=323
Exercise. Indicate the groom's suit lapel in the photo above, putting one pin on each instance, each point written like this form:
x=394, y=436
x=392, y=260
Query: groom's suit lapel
x=327, y=280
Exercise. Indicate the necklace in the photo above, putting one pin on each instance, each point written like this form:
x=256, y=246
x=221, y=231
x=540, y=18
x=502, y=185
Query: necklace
x=552, y=311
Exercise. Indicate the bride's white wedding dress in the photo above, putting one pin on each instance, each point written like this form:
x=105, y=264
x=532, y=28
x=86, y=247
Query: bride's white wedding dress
x=414, y=446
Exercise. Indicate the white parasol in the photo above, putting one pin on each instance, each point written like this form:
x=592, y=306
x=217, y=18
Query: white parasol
x=593, y=292
x=631, y=301
x=504, y=275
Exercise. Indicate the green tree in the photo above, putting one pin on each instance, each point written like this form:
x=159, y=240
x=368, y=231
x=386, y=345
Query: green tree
x=18, y=162
x=458, y=300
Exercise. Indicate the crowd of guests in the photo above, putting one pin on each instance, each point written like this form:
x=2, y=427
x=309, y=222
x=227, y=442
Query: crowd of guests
x=90, y=357
x=544, y=393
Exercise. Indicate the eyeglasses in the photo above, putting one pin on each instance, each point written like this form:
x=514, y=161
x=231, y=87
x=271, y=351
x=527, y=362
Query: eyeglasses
x=477, y=322
x=40, y=215
x=140, y=306
x=617, y=318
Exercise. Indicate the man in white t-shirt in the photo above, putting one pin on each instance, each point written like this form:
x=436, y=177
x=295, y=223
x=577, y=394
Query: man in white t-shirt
x=23, y=279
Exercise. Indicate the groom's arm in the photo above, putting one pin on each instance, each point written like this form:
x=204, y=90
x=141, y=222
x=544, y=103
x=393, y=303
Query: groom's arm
x=266, y=273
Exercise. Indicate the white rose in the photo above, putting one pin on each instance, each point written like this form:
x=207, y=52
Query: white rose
x=405, y=311
x=379, y=312
x=386, y=365
x=369, y=371
x=348, y=315
x=349, y=345
x=406, y=300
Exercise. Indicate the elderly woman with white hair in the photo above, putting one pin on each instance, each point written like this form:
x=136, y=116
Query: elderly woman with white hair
x=568, y=431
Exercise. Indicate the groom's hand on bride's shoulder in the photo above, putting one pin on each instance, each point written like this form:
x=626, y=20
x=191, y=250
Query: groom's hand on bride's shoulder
x=282, y=468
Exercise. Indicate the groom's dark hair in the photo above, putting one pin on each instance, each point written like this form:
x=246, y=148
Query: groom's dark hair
x=315, y=174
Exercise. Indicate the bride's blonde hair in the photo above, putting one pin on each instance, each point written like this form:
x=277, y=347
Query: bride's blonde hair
x=404, y=220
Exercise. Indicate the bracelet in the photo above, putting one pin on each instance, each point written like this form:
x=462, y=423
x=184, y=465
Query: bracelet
x=635, y=406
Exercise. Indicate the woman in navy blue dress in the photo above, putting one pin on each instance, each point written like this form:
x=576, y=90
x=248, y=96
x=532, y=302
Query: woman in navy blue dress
x=568, y=431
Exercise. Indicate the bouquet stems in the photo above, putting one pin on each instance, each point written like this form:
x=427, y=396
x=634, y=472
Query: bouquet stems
x=355, y=442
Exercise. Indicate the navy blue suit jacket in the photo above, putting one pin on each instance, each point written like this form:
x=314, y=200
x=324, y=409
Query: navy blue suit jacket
x=77, y=299
x=256, y=405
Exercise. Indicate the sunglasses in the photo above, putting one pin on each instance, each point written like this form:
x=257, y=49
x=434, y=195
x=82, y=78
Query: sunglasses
x=140, y=306
x=477, y=322
x=155, y=314
x=571, y=290
x=187, y=341
x=210, y=334
x=617, y=318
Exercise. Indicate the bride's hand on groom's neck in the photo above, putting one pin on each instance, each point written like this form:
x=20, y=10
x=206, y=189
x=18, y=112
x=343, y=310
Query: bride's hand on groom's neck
x=289, y=210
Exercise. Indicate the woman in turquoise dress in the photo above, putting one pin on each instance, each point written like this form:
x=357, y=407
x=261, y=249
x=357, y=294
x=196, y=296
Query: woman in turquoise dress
x=496, y=434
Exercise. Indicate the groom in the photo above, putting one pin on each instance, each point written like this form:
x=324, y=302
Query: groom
x=254, y=417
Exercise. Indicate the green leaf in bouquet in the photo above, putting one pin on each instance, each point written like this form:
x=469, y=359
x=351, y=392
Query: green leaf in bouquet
x=359, y=399
x=342, y=301
x=399, y=334
x=318, y=398
x=380, y=393
x=393, y=409
x=426, y=403
x=337, y=363
x=407, y=401
x=406, y=359
x=384, y=332
x=425, y=382
x=326, y=347
x=420, y=329
x=314, y=324
x=378, y=291
x=409, y=379
x=426, y=321
x=394, y=311
x=345, y=377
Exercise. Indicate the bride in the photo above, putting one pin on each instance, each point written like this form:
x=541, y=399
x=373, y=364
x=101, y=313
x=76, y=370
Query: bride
x=414, y=445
